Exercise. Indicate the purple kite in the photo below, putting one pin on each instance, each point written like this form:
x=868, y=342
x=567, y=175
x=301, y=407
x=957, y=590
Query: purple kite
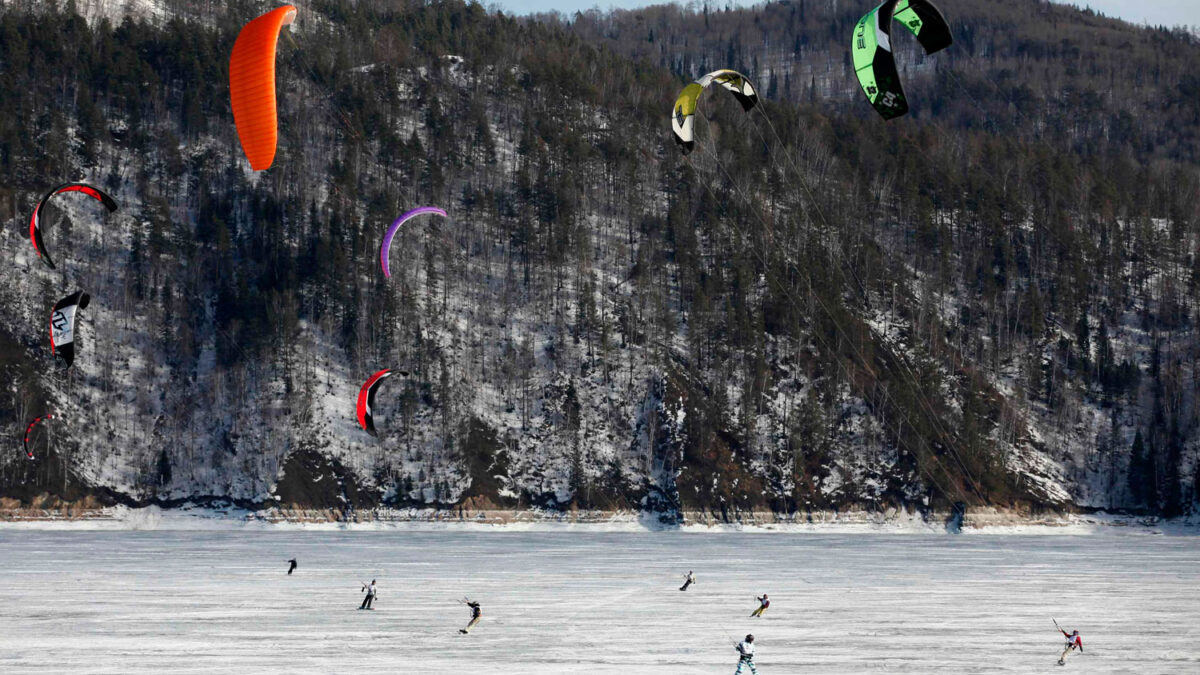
x=391, y=232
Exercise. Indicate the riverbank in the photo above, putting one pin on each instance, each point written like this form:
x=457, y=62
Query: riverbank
x=84, y=516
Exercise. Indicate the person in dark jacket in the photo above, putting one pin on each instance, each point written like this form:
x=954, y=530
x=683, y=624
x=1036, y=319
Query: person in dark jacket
x=688, y=581
x=370, y=590
x=476, y=613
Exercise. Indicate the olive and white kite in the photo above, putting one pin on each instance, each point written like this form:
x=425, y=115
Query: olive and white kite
x=35, y=223
x=391, y=232
x=874, y=63
x=683, y=116
x=62, y=324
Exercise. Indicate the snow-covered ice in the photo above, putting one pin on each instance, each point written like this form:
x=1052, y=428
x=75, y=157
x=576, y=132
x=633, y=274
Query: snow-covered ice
x=593, y=602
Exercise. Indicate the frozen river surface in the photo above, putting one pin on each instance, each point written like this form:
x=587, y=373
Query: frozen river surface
x=583, y=602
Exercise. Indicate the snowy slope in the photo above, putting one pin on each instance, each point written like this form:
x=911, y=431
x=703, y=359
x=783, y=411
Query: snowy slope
x=511, y=403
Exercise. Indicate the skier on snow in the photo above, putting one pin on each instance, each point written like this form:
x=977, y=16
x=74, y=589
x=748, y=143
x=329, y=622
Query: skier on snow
x=370, y=589
x=476, y=613
x=763, y=604
x=745, y=650
x=1074, y=640
x=291, y=566
x=688, y=580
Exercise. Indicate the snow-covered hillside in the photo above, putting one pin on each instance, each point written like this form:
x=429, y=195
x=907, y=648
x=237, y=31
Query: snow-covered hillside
x=599, y=324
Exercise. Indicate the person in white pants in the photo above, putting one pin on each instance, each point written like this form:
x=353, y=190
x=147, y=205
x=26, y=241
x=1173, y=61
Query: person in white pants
x=745, y=650
x=1074, y=640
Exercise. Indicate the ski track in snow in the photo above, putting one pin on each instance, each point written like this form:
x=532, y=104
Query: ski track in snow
x=205, y=602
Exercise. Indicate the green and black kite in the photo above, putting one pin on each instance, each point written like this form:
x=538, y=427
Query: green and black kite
x=872, y=48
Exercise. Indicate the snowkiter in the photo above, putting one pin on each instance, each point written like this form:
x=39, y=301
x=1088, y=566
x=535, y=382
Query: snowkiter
x=370, y=590
x=688, y=580
x=476, y=613
x=745, y=650
x=1074, y=641
x=763, y=604
x=291, y=566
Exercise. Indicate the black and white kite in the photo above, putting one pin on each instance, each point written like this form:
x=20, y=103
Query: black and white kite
x=62, y=324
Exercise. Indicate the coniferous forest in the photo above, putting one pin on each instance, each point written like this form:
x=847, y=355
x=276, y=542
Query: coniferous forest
x=992, y=300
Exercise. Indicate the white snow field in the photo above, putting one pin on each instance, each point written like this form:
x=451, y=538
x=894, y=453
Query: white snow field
x=576, y=601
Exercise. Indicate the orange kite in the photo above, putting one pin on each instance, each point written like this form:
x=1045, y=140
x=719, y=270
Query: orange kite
x=252, y=85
